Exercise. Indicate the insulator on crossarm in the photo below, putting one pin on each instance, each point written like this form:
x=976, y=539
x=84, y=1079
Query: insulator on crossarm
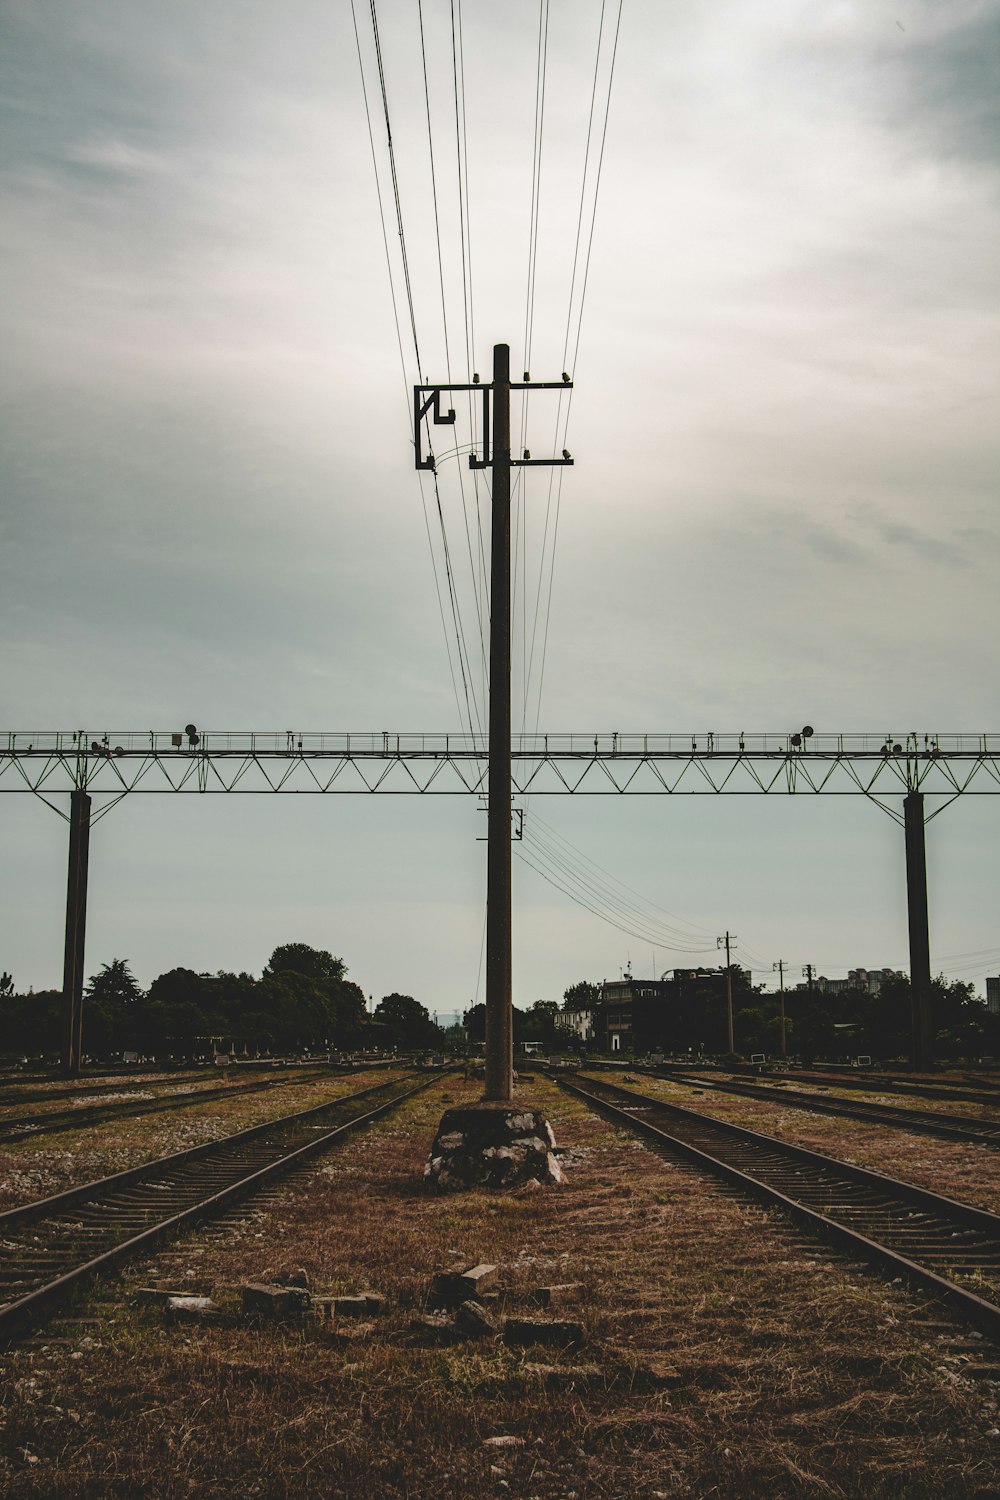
x=527, y=453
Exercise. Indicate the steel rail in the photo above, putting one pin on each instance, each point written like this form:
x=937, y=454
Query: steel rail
x=913, y=1216
x=160, y=1177
x=922, y=1121
x=943, y=1091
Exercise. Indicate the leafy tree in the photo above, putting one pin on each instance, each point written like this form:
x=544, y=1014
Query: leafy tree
x=6, y=985
x=299, y=958
x=409, y=1022
x=114, y=985
x=474, y=1021
x=583, y=995
x=539, y=1021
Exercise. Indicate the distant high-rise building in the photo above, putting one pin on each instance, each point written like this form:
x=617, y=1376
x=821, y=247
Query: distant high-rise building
x=993, y=995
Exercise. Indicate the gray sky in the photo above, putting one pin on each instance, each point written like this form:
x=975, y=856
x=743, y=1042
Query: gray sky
x=784, y=424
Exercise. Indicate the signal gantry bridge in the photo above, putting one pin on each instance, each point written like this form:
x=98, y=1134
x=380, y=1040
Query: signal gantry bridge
x=112, y=764
x=108, y=766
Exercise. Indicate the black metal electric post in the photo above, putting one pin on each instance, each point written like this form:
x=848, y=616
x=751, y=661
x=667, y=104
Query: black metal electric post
x=76, y=927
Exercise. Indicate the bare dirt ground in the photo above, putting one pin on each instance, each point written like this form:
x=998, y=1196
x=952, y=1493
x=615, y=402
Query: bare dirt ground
x=730, y=1356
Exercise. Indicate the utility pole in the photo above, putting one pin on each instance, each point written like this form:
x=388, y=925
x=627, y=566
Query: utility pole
x=496, y=455
x=499, y=975
x=76, y=927
x=725, y=942
x=780, y=966
x=920, y=957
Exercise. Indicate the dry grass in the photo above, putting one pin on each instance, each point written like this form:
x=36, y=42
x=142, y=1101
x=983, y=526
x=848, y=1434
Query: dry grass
x=29, y=1170
x=736, y=1359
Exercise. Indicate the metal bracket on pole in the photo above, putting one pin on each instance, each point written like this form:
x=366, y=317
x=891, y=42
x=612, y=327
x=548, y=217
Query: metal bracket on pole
x=427, y=402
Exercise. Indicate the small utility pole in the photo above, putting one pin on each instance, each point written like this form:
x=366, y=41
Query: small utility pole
x=780, y=966
x=496, y=455
x=725, y=942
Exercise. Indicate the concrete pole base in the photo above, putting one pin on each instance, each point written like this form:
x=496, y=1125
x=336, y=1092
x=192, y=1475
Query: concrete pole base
x=491, y=1145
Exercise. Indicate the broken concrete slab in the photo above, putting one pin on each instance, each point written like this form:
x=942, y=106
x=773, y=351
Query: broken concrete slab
x=263, y=1300
x=474, y=1322
x=348, y=1307
x=184, y=1309
x=448, y=1288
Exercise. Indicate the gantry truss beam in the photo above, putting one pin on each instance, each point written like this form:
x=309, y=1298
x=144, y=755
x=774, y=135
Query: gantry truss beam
x=872, y=765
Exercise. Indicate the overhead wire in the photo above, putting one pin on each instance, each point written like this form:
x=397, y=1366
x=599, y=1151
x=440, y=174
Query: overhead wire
x=444, y=322
x=461, y=648
x=582, y=899
x=560, y=443
x=682, y=925
x=596, y=890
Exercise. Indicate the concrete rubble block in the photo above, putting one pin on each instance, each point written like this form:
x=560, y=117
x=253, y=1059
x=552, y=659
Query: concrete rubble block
x=377, y=1303
x=503, y=1440
x=565, y=1294
x=478, y=1278
x=267, y=1301
x=350, y=1307
x=156, y=1296
x=449, y=1288
x=183, y=1309
x=474, y=1321
x=551, y=1332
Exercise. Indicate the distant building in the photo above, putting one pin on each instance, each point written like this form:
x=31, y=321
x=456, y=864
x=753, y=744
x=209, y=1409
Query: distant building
x=869, y=980
x=993, y=995
x=683, y=1009
x=633, y=1013
x=580, y=1022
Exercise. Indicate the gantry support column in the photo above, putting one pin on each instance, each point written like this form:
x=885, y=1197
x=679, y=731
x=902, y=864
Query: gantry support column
x=922, y=1051
x=76, y=928
x=499, y=1015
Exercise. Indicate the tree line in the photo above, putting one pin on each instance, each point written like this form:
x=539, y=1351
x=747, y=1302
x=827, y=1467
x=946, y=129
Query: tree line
x=817, y=1024
x=303, y=1001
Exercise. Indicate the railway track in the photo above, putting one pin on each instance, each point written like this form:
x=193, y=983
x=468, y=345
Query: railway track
x=949, y=1249
x=53, y=1246
x=29, y=1127
x=968, y=1129
x=943, y=1090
